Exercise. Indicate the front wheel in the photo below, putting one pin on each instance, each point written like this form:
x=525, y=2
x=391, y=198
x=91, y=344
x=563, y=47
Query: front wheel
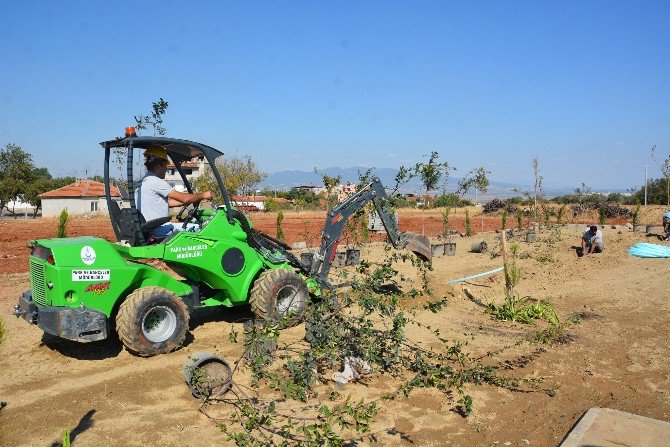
x=280, y=295
x=152, y=321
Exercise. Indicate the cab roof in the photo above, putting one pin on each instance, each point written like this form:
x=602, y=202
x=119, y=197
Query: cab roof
x=178, y=150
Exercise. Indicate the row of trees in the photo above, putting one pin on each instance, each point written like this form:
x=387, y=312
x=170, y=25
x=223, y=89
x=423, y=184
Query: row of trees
x=21, y=180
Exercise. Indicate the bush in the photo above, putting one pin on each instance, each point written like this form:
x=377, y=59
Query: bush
x=62, y=224
x=636, y=214
x=280, y=230
x=445, y=221
x=468, y=229
x=559, y=219
x=656, y=193
x=452, y=200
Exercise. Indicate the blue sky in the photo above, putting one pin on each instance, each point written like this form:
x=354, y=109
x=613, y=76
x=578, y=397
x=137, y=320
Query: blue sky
x=584, y=85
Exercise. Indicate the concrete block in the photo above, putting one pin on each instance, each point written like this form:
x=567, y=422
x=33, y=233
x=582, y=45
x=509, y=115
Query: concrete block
x=605, y=427
x=299, y=245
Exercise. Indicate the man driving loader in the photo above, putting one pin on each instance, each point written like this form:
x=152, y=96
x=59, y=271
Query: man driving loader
x=154, y=196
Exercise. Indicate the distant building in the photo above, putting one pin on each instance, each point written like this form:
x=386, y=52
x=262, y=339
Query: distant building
x=315, y=189
x=344, y=191
x=80, y=197
x=254, y=203
x=192, y=170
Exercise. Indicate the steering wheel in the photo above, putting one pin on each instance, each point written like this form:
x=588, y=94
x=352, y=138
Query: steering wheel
x=189, y=216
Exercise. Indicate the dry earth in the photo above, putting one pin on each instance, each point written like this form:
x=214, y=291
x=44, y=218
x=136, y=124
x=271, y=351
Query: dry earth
x=617, y=357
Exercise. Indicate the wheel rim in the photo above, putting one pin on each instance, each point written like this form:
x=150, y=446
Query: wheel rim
x=287, y=300
x=159, y=324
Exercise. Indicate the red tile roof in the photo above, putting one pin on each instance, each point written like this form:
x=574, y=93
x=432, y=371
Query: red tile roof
x=81, y=188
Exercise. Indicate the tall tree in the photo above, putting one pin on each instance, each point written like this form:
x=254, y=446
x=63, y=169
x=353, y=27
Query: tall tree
x=16, y=167
x=430, y=173
x=330, y=183
x=475, y=179
x=240, y=176
x=665, y=169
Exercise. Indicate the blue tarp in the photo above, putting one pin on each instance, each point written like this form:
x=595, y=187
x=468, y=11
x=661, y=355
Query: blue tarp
x=645, y=250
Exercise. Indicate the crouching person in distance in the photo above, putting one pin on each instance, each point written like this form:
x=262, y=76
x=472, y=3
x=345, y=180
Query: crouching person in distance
x=592, y=241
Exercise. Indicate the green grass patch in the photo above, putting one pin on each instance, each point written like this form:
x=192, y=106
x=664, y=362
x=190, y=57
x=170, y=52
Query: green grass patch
x=523, y=310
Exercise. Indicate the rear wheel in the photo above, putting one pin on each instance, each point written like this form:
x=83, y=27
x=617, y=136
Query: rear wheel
x=152, y=321
x=279, y=295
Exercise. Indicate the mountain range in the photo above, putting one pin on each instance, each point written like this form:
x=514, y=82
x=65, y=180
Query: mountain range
x=285, y=180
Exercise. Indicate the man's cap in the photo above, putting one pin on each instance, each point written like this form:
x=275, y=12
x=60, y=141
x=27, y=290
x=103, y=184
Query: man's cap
x=593, y=229
x=154, y=152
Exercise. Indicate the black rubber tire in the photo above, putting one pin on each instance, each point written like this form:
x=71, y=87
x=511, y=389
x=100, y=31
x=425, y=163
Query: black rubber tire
x=138, y=306
x=268, y=288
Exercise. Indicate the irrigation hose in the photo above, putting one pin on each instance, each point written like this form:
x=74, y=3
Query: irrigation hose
x=479, y=275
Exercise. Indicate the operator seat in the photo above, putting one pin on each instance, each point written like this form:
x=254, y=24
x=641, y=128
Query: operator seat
x=125, y=219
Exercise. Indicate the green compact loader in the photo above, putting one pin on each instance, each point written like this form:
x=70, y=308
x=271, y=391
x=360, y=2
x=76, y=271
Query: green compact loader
x=84, y=287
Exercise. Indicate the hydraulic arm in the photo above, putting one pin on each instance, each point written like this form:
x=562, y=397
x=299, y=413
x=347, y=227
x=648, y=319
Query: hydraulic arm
x=337, y=217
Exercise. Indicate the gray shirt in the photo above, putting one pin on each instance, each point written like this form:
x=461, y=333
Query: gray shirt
x=151, y=197
x=593, y=239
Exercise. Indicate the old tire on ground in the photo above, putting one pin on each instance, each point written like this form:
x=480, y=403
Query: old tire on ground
x=152, y=321
x=279, y=295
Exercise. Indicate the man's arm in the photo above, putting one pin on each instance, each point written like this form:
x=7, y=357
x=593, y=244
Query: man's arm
x=592, y=248
x=176, y=198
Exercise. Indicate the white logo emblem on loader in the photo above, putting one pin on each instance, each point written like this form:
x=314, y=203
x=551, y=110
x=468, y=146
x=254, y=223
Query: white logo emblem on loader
x=87, y=255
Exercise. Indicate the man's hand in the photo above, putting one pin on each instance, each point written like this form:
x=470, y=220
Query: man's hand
x=207, y=195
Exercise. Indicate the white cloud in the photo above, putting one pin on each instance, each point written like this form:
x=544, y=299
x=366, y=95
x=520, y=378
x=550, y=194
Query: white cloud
x=620, y=143
x=559, y=158
x=295, y=157
x=391, y=155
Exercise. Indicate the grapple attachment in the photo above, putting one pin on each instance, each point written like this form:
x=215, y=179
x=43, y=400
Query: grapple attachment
x=417, y=244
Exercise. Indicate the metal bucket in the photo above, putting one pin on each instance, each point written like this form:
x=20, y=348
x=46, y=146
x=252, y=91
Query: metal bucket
x=479, y=247
x=207, y=375
x=417, y=244
x=531, y=237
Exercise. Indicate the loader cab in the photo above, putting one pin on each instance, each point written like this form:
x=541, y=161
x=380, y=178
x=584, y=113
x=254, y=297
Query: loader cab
x=128, y=222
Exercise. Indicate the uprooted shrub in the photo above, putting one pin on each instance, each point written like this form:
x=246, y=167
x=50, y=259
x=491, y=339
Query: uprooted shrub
x=369, y=324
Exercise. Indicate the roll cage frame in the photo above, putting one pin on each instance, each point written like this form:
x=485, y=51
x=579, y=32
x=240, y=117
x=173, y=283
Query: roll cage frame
x=178, y=151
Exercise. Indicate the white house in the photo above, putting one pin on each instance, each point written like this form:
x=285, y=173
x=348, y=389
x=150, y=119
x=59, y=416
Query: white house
x=80, y=197
x=254, y=203
x=192, y=169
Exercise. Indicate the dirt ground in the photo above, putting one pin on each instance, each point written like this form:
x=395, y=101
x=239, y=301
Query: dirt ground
x=617, y=357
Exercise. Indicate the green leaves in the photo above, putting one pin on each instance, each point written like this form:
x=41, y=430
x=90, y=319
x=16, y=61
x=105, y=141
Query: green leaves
x=522, y=310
